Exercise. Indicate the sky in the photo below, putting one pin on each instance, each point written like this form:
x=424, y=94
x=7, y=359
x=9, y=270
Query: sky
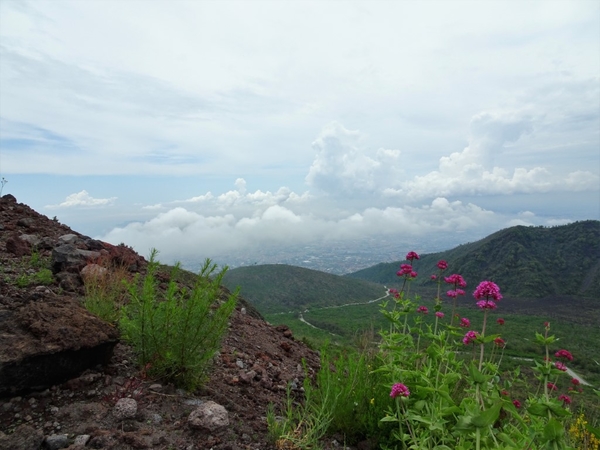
x=205, y=128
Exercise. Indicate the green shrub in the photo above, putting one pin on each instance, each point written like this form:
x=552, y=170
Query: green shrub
x=44, y=276
x=177, y=332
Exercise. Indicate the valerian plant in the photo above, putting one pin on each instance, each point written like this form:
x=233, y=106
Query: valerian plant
x=446, y=389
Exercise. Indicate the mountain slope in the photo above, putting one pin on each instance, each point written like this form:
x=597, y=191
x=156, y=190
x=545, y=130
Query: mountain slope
x=275, y=288
x=532, y=262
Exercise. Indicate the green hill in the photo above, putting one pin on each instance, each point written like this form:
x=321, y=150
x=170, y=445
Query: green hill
x=526, y=262
x=274, y=288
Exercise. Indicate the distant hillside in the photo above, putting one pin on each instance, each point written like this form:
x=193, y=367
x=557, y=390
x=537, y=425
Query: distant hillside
x=276, y=288
x=526, y=262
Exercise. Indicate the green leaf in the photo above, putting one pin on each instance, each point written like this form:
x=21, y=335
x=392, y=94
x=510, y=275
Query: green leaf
x=538, y=409
x=554, y=430
x=389, y=419
x=594, y=431
x=505, y=438
x=487, y=417
x=418, y=406
x=476, y=375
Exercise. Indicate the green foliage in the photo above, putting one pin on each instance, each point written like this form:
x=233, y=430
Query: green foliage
x=177, y=332
x=279, y=287
x=44, y=277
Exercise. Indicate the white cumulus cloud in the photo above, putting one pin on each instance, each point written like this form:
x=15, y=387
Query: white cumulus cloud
x=83, y=199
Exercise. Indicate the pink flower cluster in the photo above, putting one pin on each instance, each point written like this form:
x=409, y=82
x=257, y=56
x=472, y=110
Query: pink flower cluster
x=470, y=337
x=422, y=309
x=465, y=323
x=439, y=314
x=487, y=293
x=412, y=256
x=456, y=280
x=399, y=390
x=560, y=366
x=565, y=399
x=406, y=270
x=442, y=265
x=564, y=354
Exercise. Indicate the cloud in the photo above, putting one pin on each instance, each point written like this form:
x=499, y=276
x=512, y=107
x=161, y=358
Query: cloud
x=180, y=233
x=83, y=199
x=343, y=166
x=473, y=171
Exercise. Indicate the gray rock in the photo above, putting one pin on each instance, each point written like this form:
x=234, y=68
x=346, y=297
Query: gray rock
x=82, y=440
x=57, y=441
x=126, y=408
x=209, y=416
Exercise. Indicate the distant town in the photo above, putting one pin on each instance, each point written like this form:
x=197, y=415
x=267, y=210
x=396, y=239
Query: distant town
x=336, y=257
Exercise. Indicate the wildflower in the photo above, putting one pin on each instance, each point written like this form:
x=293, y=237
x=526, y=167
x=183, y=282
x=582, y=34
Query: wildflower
x=547, y=325
x=500, y=342
x=456, y=280
x=500, y=321
x=487, y=290
x=405, y=269
x=434, y=277
x=551, y=386
x=399, y=389
x=470, y=337
x=412, y=255
x=565, y=399
x=442, y=265
x=560, y=366
x=564, y=354
x=486, y=304
x=439, y=314
x=575, y=381
x=517, y=403
x=413, y=274
x=465, y=323
x=455, y=293
x=505, y=393
x=422, y=309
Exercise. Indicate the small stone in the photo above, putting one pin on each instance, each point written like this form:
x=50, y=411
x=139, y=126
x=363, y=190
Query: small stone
x=126, y=408
x=82, y=440
x=209, y=416
x=54, y=410
x=240, y=363
x=28, y=418
x=243, y=311
x=156, y=387
x=57, y=441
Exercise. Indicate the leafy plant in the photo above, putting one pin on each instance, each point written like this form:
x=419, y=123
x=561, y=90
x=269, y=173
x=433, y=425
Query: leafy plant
x=44, y=276
x=177, y=331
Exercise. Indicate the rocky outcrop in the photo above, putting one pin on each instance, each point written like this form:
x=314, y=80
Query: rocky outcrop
x=47, y=338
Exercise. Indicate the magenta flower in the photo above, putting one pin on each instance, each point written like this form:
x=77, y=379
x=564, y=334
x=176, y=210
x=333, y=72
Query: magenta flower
x=439, y=314
x=487, y=290
x=422, y=309
x=565, y=399
x=564, y=354
x=575, y=381
x=560, y=366
x=411, y=256
x=399, y=389
x=433, y=277
x=413, y=274
x=470, y=337
x=500, y=321
x=517, y=403
x=500, y=342
x=405, y=269
x=456, y=280
x=551, y=386
x=547, y=325
x=486, y=304
x=505, y=393
x=465, y=323
x=442, y=265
